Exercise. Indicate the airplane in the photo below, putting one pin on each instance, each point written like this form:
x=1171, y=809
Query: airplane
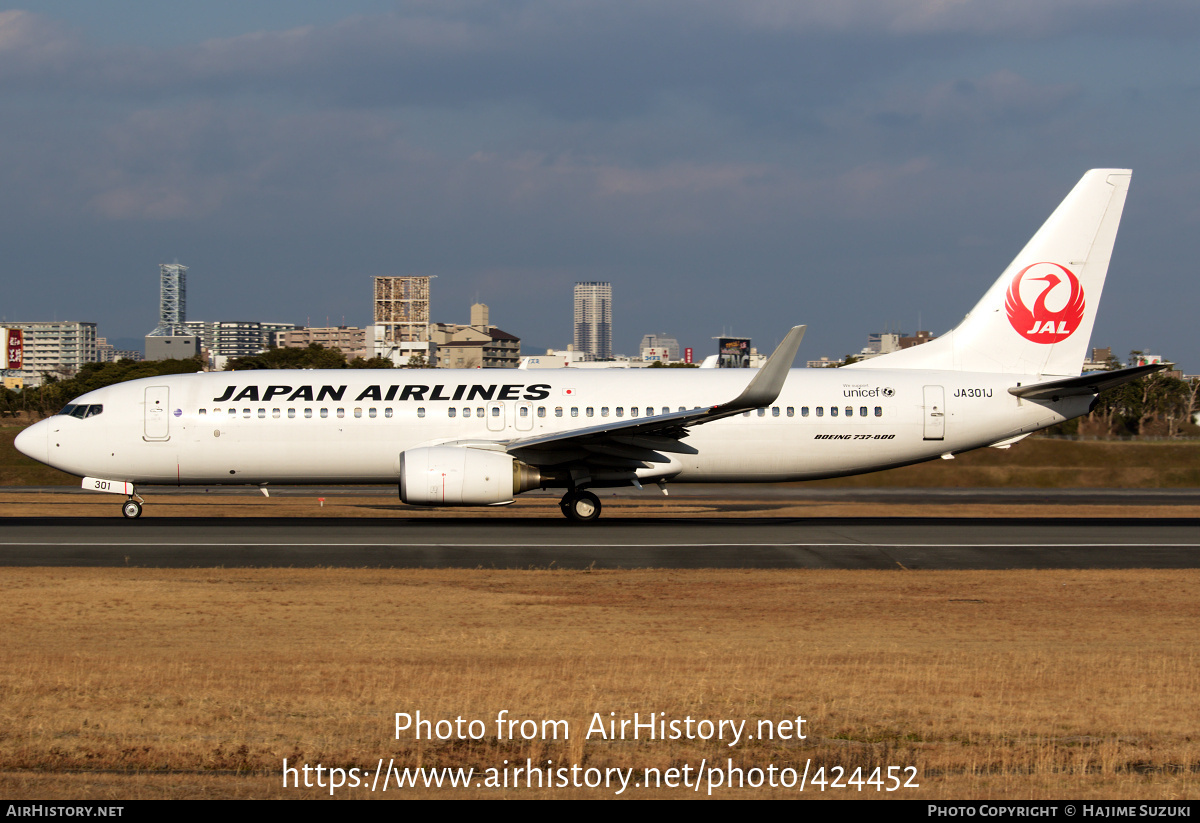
x=480, y=438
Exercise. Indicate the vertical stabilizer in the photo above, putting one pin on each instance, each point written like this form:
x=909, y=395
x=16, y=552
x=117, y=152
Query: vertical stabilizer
x=1037, y=318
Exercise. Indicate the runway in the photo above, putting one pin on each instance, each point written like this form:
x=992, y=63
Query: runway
x=896, y=543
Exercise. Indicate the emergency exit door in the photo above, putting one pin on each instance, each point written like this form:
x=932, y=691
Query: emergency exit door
x=158, y=415
x=935, y=413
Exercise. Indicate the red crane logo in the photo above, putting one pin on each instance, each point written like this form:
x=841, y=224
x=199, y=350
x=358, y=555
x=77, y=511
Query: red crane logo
x=1041, y=324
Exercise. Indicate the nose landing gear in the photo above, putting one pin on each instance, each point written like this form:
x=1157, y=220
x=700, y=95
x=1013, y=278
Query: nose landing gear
x=131, y=509
x=580, y=506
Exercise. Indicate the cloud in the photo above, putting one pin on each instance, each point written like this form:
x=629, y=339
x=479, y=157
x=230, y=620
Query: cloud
x=573, y=60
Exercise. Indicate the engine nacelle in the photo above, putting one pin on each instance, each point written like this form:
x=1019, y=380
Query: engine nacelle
x=461, y=476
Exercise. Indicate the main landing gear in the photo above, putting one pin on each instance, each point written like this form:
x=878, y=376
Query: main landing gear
x=580, y=506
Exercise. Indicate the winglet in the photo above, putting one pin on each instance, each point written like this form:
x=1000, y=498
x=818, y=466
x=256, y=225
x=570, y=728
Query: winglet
x=767, y=384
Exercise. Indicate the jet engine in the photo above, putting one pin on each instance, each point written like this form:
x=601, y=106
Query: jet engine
x=461, y=476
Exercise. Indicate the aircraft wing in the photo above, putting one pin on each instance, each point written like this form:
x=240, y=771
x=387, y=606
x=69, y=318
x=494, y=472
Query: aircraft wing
x=1091, y=383
x=633, y=442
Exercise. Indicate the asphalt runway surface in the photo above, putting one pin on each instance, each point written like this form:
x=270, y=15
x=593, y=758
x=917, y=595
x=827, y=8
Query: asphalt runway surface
x=517, y=543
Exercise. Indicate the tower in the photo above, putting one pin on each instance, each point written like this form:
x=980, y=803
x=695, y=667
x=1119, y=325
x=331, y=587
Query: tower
x=402, y=308
x=593, y=319
x=172, y=301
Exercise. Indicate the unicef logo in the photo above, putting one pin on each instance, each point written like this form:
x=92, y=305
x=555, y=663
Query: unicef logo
x=889, y=392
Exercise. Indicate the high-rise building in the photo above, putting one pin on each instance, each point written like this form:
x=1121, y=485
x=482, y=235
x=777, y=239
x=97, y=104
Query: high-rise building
x=593, y=319
x=402, y=308
x=172, y=300
x=55, y=348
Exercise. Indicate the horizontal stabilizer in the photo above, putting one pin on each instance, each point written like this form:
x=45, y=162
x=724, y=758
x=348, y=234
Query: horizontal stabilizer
x=1091, y=383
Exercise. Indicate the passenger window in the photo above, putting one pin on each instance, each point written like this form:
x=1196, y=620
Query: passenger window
x=371, y=412
x=358, y=412
x=849, y=411
x=495, y=411
x=574, y=411
x=558, y=411
x=387, y=412
x=275, y=412
x=541, y=411
x=291, y=413
x=761, y=412
x=804, y=411
x=604, y=411
x=479, y=411
x=203, y=412
x=633, y=411
x=308, y=412
x=523, y=411
x=590, y=412
x=791, y=411
x=341, y=412
x=420, y=411
x=324, y=412
x=262, y=412
x=774, y=411
x=233, y=412
x=620, y=411
x=451, y=412
x=862, y=411
x=833, y=411
x=245, y=412
x=745, y=414
x=820, y=411
x=879, y=411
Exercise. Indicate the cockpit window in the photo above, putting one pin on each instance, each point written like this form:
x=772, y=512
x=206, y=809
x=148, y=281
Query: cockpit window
x=82, y=410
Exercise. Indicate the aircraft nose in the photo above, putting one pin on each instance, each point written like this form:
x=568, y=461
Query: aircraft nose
x=33, y=441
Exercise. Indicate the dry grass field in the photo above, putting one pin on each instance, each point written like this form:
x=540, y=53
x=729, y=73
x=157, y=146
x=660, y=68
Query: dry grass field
x=142, y=683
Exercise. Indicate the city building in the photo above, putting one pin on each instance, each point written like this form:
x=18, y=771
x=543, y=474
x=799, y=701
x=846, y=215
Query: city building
x=475, y=345
x=402, y=353
x=225, y=339
x=107, y=353
x=659, y=348
x=55, y=348
x=349, y=340
x=174, y=347
x=593, y=319
x=916, y=340
x=402, y=308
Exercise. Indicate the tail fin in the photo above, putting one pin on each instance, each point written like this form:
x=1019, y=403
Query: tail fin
x=1037, y=318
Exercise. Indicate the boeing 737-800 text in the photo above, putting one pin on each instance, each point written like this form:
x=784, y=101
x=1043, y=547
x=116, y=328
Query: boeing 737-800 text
x=479, y=438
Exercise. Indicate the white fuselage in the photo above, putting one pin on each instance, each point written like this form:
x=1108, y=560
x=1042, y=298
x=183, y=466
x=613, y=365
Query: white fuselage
x=350, y=426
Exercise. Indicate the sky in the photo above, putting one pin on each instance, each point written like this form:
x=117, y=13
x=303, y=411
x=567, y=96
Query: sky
x=731, y=168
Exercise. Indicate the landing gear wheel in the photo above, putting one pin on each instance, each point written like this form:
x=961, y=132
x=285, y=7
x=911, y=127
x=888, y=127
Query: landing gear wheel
x=131, y=509
x=581, y=507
